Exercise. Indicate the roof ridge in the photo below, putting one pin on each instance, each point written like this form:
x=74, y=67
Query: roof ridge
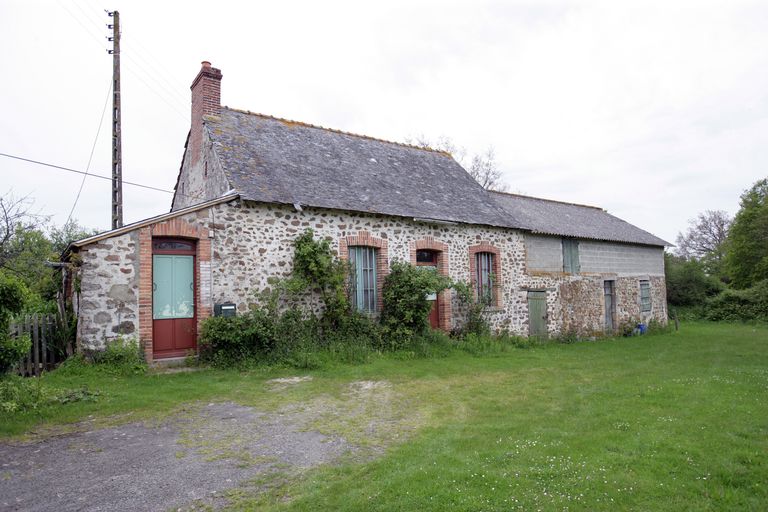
x=549, y=200
x=334, y=130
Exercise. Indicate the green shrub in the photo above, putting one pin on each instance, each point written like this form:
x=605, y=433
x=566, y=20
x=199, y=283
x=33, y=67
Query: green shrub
x=406, y=307
x=488, y=344
x=687, y=282
x=20, y=394
x=315, y=267
x=120, y=356
x=227, y=341
x=739, y=305
x=475, y=322
x=24, y=394
x=12, y=349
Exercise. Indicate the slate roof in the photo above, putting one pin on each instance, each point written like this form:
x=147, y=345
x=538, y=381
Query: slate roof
x=549, y=217
x=273, y=160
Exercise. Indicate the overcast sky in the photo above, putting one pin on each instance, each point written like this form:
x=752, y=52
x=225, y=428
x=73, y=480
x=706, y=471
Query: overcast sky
x=653, y=111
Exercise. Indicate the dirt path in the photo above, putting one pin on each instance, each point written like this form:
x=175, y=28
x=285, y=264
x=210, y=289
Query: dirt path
x=193, y=456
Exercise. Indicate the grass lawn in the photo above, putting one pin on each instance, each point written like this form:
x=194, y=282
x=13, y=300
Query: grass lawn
x=669, y=422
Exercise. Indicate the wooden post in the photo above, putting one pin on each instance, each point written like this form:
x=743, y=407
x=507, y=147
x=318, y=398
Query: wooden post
x=28, y=365
x=117, y=157
x=44, y=341
x=36, y=343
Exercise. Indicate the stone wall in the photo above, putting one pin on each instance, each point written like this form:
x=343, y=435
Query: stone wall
x=252, y=243
x=200, y=181
x=108, y=284
x=258, y=236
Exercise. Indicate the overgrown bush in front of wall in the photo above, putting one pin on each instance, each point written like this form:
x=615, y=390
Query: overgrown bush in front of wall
x=406, y=307
x=316, y=268
x=120, y=356
x=475, y=321
x=225, y=341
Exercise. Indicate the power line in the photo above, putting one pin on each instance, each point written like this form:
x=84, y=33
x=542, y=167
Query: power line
x=90, y=158
x=108, y=178
x=135, y=73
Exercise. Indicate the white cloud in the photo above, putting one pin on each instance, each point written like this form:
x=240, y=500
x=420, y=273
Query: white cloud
x=655, y=111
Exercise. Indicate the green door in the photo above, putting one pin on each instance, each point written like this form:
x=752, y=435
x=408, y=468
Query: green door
x=537, y=313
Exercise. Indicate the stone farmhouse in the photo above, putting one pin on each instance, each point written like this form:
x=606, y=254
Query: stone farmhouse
x=249, y=184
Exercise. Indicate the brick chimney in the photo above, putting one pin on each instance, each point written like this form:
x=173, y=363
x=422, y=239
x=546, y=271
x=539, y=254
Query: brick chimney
x=206, y=100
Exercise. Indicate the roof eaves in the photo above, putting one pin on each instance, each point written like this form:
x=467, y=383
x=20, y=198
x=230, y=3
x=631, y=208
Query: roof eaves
x=152, y=220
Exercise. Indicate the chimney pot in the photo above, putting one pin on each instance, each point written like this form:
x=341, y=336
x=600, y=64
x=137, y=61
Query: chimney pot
x=206, y=64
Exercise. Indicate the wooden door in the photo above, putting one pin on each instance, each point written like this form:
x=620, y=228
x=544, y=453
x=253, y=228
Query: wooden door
x=174, y=319
x=425, y=258
x=537, y=314
x=610, y=305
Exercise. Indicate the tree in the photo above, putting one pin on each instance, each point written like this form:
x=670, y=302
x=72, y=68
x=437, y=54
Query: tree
x=27, y=242
x=687, y=282
x=705, y=240
x=746, y=258
x=482, y=167
x=16, y=216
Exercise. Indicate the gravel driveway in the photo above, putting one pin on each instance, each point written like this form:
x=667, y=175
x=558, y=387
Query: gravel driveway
x=194, y=455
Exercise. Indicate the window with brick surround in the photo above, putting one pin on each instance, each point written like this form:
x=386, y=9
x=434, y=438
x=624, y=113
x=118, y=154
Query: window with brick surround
x=645, y=296
x=484, y=277
x=362, y=289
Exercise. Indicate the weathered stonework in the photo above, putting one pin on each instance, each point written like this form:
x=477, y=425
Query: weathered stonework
x=251, y=244
x=108, y=284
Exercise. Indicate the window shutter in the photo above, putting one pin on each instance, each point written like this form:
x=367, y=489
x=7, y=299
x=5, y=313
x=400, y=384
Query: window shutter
x=571, y=256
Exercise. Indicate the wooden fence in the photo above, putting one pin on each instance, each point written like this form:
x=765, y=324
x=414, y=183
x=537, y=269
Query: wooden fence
x=45, y=353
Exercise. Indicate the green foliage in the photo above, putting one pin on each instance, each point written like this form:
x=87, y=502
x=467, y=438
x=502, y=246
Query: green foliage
x=123, y=356
x=315, y=267
x=687, y=282
x=22, y=394
x=120, y=357
x=747, y=250
x=226, y=341
x=739, y=305
x=19, y=394
x=12, y=292
x=473, y=309
x=12, y=349
x=406, y=307
x=486, y=344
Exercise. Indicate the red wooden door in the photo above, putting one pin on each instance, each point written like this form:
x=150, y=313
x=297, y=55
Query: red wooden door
x=425, y=258
x=174, y=316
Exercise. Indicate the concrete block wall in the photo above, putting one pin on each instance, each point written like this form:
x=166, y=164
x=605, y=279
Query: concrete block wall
x=620, y=259
x=544, y=253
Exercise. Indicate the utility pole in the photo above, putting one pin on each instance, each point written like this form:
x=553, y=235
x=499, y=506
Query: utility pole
x=117, y=150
